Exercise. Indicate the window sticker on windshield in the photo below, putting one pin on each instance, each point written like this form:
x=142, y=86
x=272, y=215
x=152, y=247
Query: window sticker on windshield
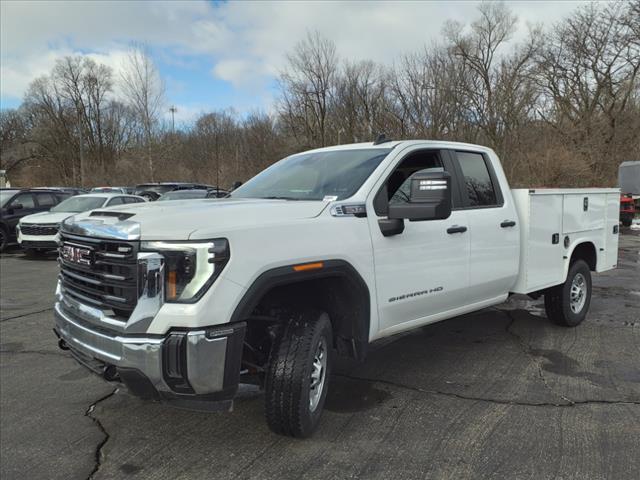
x=329, y=198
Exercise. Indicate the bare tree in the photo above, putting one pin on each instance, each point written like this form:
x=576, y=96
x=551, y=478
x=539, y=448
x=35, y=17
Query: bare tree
x=307, y=86
x=498, y=89
x=589, y=72
x=360, y=103
x=144, y=90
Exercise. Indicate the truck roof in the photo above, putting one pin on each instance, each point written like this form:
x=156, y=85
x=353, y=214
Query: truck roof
x=394, y=143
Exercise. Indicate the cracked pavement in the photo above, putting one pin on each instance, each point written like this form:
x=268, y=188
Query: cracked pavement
x=501, y=393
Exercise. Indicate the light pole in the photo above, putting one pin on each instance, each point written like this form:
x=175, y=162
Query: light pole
x=173, y=111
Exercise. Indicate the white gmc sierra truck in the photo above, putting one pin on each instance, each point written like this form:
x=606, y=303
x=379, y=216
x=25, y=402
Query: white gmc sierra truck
x=318, y=255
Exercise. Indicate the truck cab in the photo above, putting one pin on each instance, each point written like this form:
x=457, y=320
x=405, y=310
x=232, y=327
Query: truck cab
x=319, y=255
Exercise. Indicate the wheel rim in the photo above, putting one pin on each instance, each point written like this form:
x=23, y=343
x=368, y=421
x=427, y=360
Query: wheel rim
x=578, y=294
x=318, y=374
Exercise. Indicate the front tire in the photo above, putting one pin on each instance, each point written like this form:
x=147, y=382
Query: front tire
x=298, y=375
x=4, y=239
x=567, y=304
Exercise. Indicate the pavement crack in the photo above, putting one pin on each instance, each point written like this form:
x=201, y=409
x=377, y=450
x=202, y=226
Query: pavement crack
x=101, y=444
x=25, y=314
x=526, y=348
x=496, y=401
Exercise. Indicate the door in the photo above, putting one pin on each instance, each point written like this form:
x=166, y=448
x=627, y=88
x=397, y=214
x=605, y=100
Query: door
x=494, y=231
x=23, y=204
x=422, y=271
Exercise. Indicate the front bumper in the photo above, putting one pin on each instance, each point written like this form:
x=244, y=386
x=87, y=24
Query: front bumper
x=196, y=368
x=47, y=242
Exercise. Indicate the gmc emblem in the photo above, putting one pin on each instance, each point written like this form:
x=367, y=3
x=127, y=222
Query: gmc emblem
x=79, y=255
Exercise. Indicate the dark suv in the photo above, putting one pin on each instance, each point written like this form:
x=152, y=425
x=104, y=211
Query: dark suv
x=17, y=203
x=153, y=191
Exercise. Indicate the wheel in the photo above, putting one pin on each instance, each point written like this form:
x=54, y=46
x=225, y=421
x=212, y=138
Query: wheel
x=626, y=222
x=567, y=304
x=4, y=239
x=298, y=374
x=34, y=252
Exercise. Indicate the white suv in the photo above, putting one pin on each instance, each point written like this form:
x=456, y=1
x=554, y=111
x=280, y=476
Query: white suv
x=37, y=233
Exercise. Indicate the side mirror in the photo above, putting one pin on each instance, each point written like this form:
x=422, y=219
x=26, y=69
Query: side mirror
x=16, y=206
x=236, y=184
x=430, y=198
x=391, y=226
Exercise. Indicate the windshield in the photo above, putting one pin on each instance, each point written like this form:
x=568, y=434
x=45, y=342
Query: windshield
x=79, y=204
x=6, y=195
x=107, y=190
x=332, y=175
x=183, y=195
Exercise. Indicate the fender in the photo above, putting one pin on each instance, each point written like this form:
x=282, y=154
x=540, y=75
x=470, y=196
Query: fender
x=354, y=332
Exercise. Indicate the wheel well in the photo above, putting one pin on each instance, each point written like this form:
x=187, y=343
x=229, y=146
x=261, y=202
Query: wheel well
x=339, y=291
x=585, y=251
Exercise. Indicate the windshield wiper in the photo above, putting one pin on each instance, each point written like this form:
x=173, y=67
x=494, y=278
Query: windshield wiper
x=276, y=197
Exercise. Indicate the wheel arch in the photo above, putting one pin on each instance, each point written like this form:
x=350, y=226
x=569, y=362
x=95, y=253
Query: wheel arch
x=336, y=287
x=586, y=251
x=582, y=249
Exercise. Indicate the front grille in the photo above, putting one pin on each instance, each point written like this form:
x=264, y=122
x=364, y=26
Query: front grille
x=105, y=276
x=34, y=229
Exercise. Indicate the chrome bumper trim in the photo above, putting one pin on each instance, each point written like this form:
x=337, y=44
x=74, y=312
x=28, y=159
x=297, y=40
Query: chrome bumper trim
x=206, y=357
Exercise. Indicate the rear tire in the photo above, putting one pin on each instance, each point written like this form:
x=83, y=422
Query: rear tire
x=567, y=304
x=298, y=374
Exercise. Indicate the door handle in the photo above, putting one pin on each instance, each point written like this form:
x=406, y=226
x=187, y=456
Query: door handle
x=456, y=229
x=508, y=223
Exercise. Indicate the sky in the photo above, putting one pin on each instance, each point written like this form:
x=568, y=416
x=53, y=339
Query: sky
x=218, y=54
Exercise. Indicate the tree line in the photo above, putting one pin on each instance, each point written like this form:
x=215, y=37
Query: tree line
x=561, y=107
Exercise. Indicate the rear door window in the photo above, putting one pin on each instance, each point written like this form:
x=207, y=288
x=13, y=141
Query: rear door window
x=115, y=201
x=46, y=199
x=480, y=188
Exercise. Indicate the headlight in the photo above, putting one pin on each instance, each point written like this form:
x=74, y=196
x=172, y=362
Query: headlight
x=190, y=267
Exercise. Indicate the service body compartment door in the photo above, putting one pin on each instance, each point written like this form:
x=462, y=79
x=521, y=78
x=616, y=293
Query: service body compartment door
x=611, y=232
x=541, y=249
x=582, y=212
x=545, y=263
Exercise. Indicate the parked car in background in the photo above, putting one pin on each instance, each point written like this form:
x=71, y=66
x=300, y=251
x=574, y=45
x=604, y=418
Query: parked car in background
x=69, y=191
x=37, y=233
x=190, y=194
x=153, y=191
x=627, y=209
x=18, y=203
x=629, y=181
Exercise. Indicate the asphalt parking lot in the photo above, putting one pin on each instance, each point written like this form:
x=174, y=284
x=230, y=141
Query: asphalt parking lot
x=498, y=394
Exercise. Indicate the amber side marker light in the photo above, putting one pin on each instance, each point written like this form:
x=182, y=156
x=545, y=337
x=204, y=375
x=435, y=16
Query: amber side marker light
x=172, y=287
x=308, y=266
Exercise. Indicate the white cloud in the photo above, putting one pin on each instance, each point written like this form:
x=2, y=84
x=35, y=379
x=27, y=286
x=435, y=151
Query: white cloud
x=245, y=41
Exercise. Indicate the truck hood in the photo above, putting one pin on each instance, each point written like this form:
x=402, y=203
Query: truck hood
x=45, y=217
x=181, y=219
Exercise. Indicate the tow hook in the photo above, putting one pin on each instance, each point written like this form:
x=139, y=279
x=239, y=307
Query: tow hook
x=63, y=345
x=110, y=373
